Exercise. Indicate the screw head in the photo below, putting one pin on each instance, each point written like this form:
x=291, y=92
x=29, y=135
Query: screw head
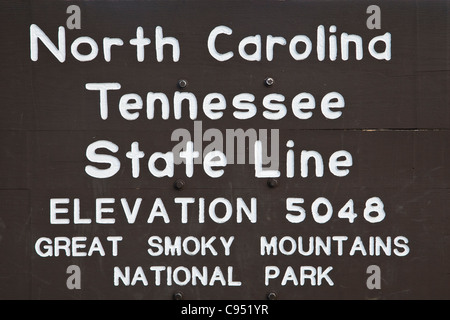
x=269, y=82
x=272, y=296
x=272, y=183
x=182, y=83
x=179, y=184
x=178, y=296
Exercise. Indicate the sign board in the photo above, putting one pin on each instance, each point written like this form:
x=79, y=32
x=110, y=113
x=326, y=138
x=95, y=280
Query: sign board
x=224, y=150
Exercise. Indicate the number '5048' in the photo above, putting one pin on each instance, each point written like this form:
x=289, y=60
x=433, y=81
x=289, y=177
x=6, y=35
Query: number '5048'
x=322, y=210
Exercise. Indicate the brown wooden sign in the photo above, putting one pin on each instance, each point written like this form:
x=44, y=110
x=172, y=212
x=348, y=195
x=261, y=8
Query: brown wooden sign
x=224, y=150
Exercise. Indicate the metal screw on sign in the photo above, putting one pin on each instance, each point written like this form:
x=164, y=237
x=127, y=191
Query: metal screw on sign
x=272, y=183
x=178, y=296
x=182, y=83
x=272, y=296
x=179, y=184
x=269, y=82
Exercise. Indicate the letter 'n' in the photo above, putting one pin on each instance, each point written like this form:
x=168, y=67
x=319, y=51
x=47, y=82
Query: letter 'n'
x=36, y=34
